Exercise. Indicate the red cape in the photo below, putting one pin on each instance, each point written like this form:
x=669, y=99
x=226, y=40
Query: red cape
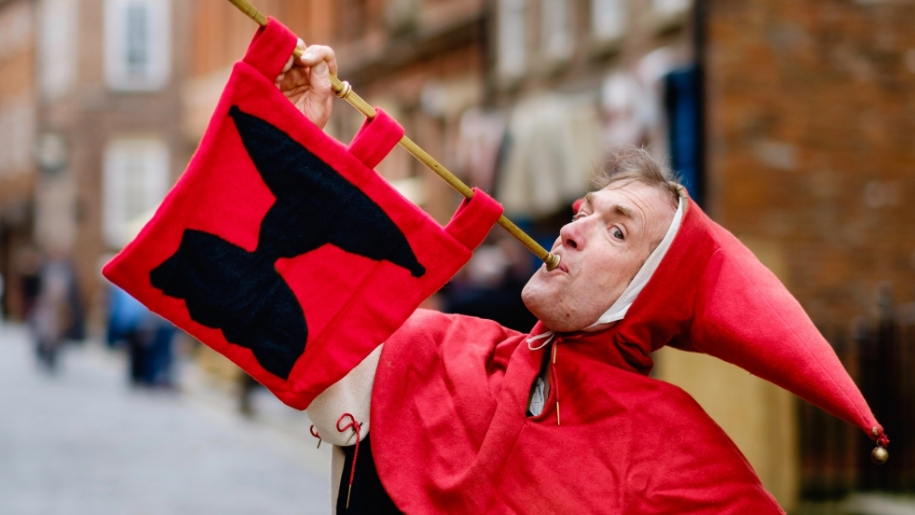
x=449, y=427
x=450, y=433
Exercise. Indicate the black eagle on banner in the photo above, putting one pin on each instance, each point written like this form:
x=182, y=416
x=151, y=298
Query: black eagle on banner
x=240, y=292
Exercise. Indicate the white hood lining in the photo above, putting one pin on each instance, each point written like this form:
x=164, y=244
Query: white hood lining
x=619, y=308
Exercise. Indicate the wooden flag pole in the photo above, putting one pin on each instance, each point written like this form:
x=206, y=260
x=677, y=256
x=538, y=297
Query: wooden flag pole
x=345, y=91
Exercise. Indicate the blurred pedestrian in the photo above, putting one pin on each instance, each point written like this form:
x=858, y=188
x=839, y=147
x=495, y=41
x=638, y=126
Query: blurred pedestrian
x=147, y=337
x=491, y=283
x=28, y=267
x=1, y=298
x=56, y=314
x=247, y=385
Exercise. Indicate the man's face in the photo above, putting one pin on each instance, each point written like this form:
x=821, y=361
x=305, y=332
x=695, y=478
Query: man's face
x=601, y=250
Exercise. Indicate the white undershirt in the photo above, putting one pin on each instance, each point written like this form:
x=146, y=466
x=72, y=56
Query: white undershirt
x=538, y=398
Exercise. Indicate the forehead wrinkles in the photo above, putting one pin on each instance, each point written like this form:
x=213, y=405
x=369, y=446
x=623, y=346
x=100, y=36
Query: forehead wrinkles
x=618, y=203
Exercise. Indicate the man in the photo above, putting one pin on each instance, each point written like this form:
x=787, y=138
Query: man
x=467, y=416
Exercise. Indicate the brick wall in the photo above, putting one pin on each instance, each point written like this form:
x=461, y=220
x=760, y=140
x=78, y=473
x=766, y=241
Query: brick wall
x=17, y=132
x=811, y=146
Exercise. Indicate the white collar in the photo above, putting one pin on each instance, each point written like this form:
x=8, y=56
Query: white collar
x=619, y=308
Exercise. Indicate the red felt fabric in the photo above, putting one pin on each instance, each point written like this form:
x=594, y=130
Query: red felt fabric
x=351, y=303
x=376, y=138
x=731, y=306
x=450, y=435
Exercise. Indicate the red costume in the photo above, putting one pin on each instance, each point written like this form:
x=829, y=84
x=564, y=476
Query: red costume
x=282, y=249
x=450, y=434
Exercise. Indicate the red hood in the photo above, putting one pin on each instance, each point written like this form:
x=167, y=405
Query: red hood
x=710, y=294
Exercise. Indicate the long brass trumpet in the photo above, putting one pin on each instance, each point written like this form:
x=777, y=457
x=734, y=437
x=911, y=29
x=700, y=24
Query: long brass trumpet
x=345, y=91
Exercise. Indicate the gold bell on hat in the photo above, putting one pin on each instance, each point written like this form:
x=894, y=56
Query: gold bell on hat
x=879, y=455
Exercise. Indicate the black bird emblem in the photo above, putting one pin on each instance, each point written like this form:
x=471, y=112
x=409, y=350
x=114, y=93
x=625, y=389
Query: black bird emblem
x=226, y=287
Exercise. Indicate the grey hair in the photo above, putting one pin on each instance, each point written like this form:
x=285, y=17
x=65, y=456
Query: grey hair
x=631, y=164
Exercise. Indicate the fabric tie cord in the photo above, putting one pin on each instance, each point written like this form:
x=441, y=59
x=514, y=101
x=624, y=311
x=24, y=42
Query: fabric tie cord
x=355, y=426
x=548, y=335
x=314, y=433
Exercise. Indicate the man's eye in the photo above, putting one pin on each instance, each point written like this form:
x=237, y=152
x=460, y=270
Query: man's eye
x=617, y=233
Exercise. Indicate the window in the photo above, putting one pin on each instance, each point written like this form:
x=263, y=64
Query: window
x=137, y=48
x=556, y=32
x=58, y=36
x=608, y=20
x=135, y=180
x=137, y=44
x=511, y=39
x=670, y=8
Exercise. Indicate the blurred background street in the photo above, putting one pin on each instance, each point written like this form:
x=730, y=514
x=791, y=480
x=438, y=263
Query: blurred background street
x=792, y=124
x=80, y=441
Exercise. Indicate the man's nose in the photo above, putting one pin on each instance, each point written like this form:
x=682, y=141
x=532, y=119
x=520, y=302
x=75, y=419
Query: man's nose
x=571, y=235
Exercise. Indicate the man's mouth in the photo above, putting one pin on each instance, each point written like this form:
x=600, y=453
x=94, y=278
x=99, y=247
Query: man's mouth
x=561, y=268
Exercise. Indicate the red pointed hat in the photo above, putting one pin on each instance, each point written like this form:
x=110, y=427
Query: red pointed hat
x=710, y=294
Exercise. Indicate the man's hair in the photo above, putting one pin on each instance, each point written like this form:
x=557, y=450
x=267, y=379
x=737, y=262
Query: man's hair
x=630, y=164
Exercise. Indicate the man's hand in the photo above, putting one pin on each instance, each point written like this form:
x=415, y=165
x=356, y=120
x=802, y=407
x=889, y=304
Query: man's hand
x=306, y=82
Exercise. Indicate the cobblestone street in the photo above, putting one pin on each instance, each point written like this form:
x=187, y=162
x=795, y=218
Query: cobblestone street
x=82, y=442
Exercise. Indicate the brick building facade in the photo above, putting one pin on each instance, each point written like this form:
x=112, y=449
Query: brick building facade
x=17, y=133
x=108, y=123
x=811, y=119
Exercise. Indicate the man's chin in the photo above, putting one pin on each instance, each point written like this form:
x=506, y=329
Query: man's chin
x=545, y=304
x=532, y=295
x=539, y=299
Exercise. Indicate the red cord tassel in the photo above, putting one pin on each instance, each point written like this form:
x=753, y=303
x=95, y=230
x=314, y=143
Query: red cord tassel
x=314, y=433
x=355, y=427
x=555, y=379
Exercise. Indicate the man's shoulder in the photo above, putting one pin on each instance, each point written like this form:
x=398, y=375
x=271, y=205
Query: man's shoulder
x=435, y=324
x=657, y=403
x=432, y=335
